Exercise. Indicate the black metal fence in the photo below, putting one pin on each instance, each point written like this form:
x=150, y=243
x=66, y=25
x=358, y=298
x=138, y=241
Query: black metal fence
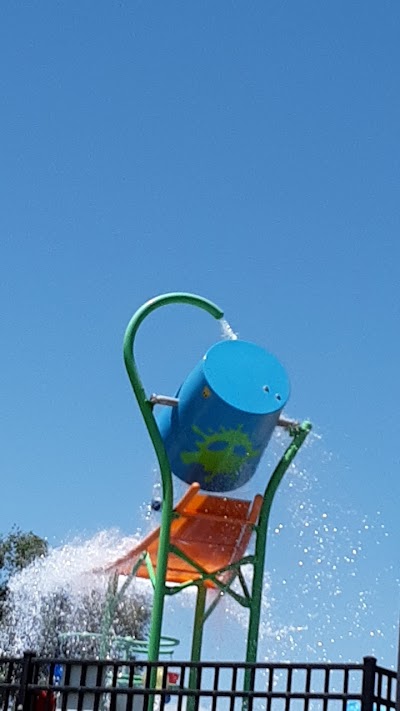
x=35, y=684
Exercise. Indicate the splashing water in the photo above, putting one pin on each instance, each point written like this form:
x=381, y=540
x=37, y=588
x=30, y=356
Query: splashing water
x=61, y=593
x=227, y=331
x=317, y=602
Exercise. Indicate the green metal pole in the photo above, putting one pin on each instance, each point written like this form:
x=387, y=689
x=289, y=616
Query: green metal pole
x=108, y=618
x=198, y=623
x=300, y=434
x=197, y=639
x=113, y=598
x=146, y=409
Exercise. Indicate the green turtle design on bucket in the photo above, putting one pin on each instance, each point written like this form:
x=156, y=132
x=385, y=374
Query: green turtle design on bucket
x=221, y=453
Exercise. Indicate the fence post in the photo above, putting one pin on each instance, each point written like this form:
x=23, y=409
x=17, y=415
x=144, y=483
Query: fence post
x=368, y=684
x=26, y=678
x=398, y=672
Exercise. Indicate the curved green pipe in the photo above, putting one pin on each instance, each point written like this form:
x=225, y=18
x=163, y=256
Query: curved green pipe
x=146, y=409
x=145, y=406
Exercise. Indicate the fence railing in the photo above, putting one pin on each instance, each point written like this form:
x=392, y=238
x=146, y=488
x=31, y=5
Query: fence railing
x=36, y=684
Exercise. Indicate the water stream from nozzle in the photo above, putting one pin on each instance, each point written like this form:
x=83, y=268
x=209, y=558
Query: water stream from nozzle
x=227, y=331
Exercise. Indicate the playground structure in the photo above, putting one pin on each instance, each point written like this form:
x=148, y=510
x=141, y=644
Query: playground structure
x=212, y=437
x=232, y=401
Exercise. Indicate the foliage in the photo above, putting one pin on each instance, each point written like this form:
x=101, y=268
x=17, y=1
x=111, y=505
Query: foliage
x=17, y=550
x=50, y=627
x=62, y=617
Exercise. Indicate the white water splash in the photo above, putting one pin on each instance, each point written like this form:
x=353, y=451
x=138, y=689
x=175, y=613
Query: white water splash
x=62, y=593
x=227, y=331
x=317, y=604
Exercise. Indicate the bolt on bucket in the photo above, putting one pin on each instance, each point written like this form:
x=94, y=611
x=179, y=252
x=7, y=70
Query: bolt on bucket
x=227, y=410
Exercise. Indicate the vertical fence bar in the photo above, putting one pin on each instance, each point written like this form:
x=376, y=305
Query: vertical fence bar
x=379, y=683
x=66, y=682
x=162, y=682
x=233, y=687
x=345, y=688
x=131, y=685
x=6, y=699
x=398, y=673
x=215, y=689
x=82, y=684
x=368, y=684
x=250, y=698
x=197, y=699
x=148, y=685
x=181, y=685
x=270, y=687
x=288, y=688
x=307, y=688
x=389, y=692
x=326, y=689
x=23, y=699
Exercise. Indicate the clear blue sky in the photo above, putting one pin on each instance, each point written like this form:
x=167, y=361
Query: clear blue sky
x=245, y=151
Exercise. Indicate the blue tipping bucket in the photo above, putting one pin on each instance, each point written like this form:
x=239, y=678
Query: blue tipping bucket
x=228, y=408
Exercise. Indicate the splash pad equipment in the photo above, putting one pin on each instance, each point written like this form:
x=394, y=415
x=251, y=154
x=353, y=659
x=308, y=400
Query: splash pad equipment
x=212, y=437
x=225, y=414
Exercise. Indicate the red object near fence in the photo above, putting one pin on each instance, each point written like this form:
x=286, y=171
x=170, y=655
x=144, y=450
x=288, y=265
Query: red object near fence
x=44, y=701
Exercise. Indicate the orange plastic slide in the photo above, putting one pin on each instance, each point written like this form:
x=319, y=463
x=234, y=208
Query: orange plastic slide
x=212, y=531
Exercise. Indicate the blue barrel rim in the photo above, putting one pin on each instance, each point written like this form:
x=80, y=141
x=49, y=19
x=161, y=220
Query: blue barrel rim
x=262, y=397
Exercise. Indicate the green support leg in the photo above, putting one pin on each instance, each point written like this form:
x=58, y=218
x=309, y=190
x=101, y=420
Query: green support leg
x=113, y=598
x=197, y=640
x=300, y=434
x=108, y=618
x=261, y=539
x=198, y=623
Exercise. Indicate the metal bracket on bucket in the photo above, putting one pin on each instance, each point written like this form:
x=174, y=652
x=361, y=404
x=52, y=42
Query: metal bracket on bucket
x=168, y=401
x=163, y=400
